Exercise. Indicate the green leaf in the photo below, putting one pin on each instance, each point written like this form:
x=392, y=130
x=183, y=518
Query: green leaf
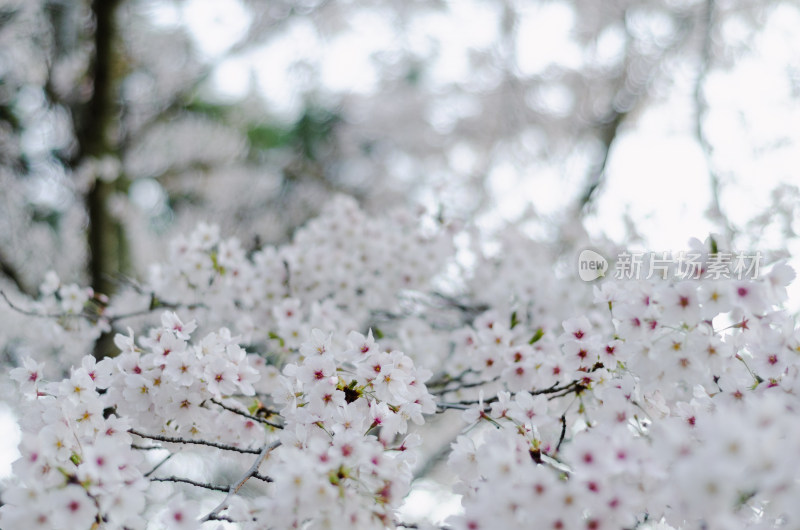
x=263, y=137
x=413, y=75
x=313, y=130
x=277, y=337
x=215, y=111
x=216, y=265
x=538, y=335
x=514, y=320
x=50, y=217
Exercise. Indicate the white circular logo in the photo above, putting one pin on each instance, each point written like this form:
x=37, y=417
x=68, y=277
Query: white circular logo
x=591, y=265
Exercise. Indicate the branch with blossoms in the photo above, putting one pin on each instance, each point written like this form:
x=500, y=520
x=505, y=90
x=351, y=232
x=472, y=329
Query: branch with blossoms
x=585, y=413
x=212, y=487
x=246, y=415
x=575, y=386
x=235, y=487
x=178, y=440
x=74, y=300
x=154, y=303
x=340, y=407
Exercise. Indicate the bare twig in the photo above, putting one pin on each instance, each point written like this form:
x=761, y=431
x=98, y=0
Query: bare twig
x=10, y=272
x=148, y=447
x=163, y=461
x=631, y=94
x=443, y=391
x=246, y=415
x=454, y=303
x=434, y=459
x=557, y=391
x=700, y=113
x=457, y=406
x=263, y=478
x=192, y=482
x=39, y=315
x=401, y=524
x=234, y=488
x=574, y=386
x=446, y=379
x=563, y=431
x=608, y=130
x=168, y=439
x=154, y=305
x=221, y=518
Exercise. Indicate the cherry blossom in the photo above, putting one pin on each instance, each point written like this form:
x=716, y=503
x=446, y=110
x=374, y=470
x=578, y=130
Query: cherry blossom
x=320, y=388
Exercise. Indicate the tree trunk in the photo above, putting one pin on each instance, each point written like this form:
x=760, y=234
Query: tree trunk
x=96, y=141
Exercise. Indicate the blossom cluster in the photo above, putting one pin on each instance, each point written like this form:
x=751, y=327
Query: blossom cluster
x=717, y=461
x=78, y=451
x=64, y=321
x=77, y=462
x=618, y=404
x=348, y=453
x=339, y=268
x=167, y=385
x=333, y=447
x=679, y=408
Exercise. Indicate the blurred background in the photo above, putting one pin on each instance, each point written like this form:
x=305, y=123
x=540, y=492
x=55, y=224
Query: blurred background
x=650, y=121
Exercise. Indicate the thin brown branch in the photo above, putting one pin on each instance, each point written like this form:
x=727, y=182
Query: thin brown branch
x=700, y=114
x=161, y=463
x=155, y=305
x=415, y=525
x=442, y=391
x=148, y=447
x=444, y=405
x=461, y=306
x=434, y=459
x=631, y=94
x=246, y=415
x=608, y=131
x=446, y=379
x=558, y=391
x=263, y=478
x=9, y=271
x=169, y=439
x=221, y=518
x=39, y=315
x=205, y=485
x=563, y=431
x=235, y=487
